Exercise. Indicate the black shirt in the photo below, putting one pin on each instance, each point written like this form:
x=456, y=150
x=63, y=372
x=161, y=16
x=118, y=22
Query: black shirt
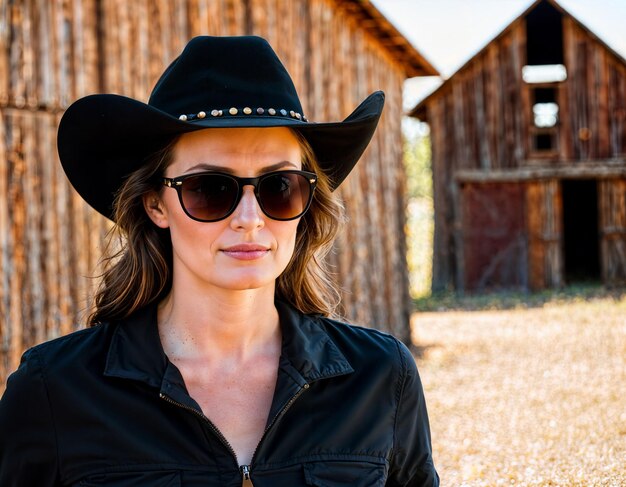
x=105, y=406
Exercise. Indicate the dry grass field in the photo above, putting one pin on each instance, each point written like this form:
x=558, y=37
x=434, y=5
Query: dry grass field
x=530, y=395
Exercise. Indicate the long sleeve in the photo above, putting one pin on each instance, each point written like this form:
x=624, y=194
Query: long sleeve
x=28, y=446
x=412, y=462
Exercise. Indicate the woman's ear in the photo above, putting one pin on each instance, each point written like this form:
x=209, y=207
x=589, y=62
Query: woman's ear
x=156, y=209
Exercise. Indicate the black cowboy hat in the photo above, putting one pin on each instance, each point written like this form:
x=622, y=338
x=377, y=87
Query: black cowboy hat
x=215, y=82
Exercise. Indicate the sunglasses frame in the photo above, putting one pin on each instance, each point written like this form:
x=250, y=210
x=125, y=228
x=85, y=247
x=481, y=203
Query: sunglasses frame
x=177, y=184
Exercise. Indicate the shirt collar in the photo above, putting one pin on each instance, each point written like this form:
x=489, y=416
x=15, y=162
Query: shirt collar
x=308, y=352
x=308, y=346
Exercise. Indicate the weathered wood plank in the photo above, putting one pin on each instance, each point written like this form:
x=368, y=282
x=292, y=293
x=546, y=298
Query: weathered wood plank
x=6, y=253
x=553, y=233
x=589, y=170
x=612, y=212
x=17, y=218
x=536, y=240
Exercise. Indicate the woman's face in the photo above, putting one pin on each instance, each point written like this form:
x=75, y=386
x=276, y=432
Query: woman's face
x=247, y=249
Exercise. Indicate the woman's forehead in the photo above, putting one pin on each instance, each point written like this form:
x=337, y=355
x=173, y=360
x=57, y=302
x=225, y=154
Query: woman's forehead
x=236, y=148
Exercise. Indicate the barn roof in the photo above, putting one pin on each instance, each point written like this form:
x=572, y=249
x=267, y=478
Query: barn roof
x=370, y=19
x=419, y=111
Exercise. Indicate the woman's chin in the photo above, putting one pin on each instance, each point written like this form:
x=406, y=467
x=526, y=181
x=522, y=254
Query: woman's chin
x=248, y=282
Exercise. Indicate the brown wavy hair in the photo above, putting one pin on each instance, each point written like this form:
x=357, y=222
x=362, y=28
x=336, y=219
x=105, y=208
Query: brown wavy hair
x=137, y=259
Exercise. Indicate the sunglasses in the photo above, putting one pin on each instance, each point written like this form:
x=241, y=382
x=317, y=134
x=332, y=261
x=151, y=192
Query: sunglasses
x=213, y=196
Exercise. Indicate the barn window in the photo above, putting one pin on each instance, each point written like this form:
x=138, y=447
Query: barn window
x=543, y=142
x=544, y=35
x=545, y=114
x=545, y=107
x=548, y=73
x=545, y=118
x=544, y=75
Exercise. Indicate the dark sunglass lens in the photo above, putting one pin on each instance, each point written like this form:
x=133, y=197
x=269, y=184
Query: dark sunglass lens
x=284, y=195
x=209, y=196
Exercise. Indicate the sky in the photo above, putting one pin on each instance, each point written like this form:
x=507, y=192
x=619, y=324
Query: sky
x=449, y=32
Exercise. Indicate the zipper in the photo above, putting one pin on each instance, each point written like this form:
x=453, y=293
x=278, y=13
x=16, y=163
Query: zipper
x=278, y=417
x=244, y=469
x=207, y=420
x=245, y=476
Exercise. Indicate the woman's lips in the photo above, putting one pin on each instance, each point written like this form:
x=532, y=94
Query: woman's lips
x=246, y=251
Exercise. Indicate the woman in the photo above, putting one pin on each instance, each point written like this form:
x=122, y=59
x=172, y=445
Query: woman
x=212, y=360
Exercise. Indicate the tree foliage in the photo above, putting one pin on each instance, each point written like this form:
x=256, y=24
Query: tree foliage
x=417, y=160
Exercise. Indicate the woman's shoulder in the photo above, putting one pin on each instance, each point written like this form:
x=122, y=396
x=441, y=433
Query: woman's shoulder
x=71, y=350
x=83, y=337
x=354, y=330
x=368, y=343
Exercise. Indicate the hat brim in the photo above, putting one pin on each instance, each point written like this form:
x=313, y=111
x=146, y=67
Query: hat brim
x=103, y=138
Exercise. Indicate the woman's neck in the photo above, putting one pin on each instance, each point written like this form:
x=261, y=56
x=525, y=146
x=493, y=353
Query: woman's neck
x=223, y=323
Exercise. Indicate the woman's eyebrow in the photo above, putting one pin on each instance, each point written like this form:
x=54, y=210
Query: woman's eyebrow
x=278, y=165
x=208, y=167
x=211, y=167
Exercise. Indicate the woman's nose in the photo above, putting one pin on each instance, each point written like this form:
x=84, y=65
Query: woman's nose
x=248, y=214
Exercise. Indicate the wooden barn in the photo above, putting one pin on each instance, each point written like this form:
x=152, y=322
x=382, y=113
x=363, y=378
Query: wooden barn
x=53, y=52
x=529, y=159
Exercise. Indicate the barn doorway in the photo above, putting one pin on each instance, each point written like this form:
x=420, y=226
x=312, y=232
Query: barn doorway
x=580, y=230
